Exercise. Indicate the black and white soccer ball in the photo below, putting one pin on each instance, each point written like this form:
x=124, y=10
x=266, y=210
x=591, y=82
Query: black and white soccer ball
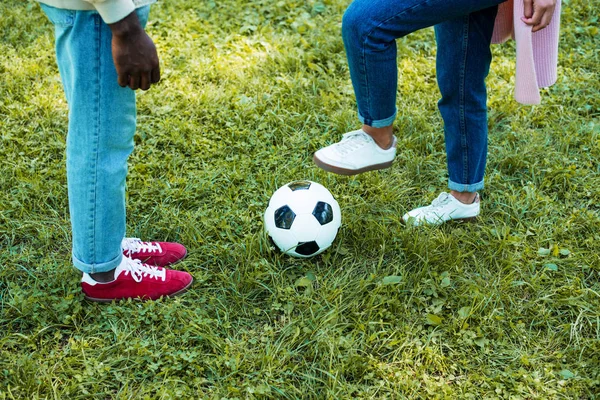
x=302, y=218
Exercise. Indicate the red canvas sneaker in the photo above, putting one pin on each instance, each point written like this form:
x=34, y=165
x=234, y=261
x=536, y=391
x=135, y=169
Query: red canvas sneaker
x=136, y=280
x=153, y=253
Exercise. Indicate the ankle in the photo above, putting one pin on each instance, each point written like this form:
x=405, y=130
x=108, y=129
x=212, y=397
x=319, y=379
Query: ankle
x=104, y=277
x=383, y=137
x=464, y=197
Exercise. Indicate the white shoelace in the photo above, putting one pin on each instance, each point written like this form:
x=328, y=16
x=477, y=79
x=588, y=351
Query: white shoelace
x=139, y=270
x=442, y=200
x=352, y=141
x=135, y=245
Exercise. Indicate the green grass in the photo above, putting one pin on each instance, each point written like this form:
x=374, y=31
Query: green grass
x=508, y=307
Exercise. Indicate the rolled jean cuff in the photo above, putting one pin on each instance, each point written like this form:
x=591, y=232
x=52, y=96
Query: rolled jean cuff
x=378, y=123
x=95, y=268
x=461, y=187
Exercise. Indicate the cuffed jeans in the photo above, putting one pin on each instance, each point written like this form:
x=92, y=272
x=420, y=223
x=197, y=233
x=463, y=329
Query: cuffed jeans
x=463, y=31
x=102, y=122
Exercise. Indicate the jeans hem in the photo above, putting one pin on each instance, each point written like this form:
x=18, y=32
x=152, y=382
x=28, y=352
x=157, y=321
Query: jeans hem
x=379, y=123
x=461, y=187
x=95, y=268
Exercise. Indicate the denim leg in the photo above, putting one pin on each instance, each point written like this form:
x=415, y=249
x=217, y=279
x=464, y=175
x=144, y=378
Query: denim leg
x=369, y=31
x=102, y=122
x=463, y=63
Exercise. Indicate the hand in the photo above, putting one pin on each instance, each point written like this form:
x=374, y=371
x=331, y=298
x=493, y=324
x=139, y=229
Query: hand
x=134, y=54
x=538, y=13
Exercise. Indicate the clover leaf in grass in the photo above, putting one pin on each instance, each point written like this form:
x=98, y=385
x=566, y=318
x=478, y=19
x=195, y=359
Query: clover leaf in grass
x=543, y=252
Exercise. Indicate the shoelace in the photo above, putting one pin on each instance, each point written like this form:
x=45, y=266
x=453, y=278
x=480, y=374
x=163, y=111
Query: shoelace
x=135, y=245
x=139, y=270
x=442, y=200
x=351, y=141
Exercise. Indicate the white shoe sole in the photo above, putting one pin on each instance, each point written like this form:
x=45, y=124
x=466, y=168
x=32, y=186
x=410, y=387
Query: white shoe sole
x=345, y=171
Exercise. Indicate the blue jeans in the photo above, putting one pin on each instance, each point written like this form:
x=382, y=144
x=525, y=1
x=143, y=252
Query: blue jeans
x=463, y=32
x=102, y=122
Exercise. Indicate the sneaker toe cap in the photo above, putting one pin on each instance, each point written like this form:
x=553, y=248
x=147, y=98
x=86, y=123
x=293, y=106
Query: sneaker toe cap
x=175, y=252
x=415, y=217
x=180, y=280
x=327, y=157
x=171, y=254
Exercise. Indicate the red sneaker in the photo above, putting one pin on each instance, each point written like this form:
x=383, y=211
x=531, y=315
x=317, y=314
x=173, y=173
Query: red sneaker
x=153, y=253
x=136, y=280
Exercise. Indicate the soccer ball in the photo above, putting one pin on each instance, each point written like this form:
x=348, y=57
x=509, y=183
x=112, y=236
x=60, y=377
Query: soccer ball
x=302, y=218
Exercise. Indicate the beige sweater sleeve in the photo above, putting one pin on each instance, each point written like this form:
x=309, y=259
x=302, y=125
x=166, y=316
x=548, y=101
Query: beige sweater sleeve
x=113, y=10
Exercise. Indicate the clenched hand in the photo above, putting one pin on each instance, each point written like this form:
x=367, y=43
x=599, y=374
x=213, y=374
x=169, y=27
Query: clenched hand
x=134, y=54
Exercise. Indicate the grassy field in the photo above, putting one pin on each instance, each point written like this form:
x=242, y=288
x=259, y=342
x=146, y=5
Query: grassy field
x=507, y=308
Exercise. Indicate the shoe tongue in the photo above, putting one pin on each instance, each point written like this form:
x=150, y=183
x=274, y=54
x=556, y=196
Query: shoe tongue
x=357, y=133
x=443, y=196
x=130, y=244
x=441, y=199
x=363, y=135
x=121, y=267
x=139, y=270
x=126, y=265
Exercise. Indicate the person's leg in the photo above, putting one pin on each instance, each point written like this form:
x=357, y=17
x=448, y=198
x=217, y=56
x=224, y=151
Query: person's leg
x=102, y=122
x=463, y=63
x=370, y=29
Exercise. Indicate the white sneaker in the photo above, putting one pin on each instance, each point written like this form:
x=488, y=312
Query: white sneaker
x=357, y=152
x=445, y=208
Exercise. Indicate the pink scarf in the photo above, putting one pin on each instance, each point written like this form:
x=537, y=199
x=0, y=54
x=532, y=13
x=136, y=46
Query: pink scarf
x=537, y=52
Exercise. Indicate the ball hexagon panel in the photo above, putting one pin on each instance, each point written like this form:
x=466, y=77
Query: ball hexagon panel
x=286, y=241
x=305, y=228
x=320, y=192
x=302, y=202
x=280, y=197
x=327, y=234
